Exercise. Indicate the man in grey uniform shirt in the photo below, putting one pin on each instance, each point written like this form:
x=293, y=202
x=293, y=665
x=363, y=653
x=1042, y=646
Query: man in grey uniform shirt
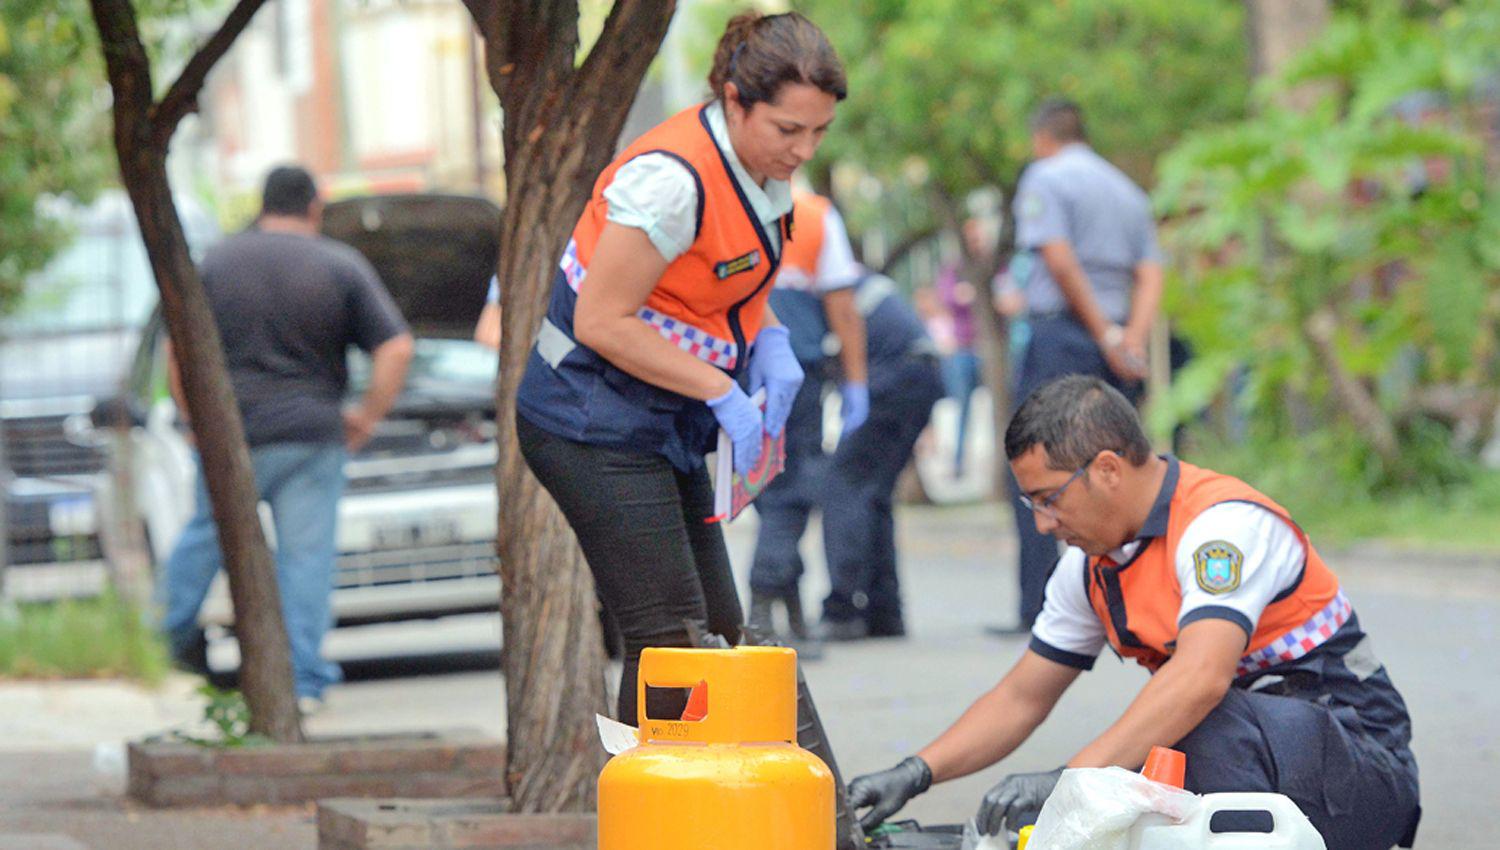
x=1092, y=295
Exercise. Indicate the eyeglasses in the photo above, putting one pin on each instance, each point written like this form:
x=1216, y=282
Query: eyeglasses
x=1045, y=505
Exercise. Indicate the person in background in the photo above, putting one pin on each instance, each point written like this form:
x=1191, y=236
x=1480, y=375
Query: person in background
x=657, y=334
x=1093, y=285
x=487, y=329
x=962, y=369
x=1260, y=671
x=859, y=531
x=813, y=297
x=289, y=303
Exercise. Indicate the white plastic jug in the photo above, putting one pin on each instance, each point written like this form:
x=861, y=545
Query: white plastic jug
x=1293, y=831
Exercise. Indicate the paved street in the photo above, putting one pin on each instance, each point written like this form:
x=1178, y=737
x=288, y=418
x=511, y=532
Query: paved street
x=1434, y=623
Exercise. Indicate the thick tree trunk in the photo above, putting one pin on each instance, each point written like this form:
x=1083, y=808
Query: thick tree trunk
x=143, y=128
x=561, y=125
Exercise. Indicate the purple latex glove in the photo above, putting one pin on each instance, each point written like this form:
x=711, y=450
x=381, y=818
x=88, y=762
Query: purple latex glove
x=775, y=367
x=854, y=399
x=740, y=419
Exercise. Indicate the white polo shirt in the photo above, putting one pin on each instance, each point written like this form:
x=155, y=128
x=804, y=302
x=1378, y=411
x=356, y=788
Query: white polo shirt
x=1273, y=559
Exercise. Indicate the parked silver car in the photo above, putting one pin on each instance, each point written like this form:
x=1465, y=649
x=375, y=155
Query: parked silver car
x=63, y=348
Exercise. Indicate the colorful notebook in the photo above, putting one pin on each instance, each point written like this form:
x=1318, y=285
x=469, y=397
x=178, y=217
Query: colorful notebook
x=732, y=491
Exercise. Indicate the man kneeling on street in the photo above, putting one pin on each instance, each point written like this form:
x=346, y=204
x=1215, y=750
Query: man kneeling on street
x=1260, y=671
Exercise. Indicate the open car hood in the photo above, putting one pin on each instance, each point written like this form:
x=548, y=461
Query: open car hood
x=435, y=253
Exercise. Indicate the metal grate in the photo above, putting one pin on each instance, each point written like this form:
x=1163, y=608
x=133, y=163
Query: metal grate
x=38, y=446
x=405, y=566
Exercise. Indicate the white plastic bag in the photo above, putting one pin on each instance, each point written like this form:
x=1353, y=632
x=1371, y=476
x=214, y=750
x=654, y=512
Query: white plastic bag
x=1094, y=809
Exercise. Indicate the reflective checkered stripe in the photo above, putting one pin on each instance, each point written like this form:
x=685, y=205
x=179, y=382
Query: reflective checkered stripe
x=1300, y=640
x=702, y=345
x=572, y=270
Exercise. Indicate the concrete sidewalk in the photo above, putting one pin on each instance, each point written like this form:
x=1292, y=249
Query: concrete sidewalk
x=1434, y=621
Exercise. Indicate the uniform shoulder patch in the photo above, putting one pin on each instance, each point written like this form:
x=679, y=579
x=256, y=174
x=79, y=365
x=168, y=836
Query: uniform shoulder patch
x=1217, y=566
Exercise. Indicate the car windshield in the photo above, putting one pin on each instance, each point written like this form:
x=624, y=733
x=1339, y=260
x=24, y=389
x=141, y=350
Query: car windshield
x=440, y=361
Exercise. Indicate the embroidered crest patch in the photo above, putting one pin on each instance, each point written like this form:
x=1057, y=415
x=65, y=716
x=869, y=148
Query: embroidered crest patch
x=1217, y=565
x=737, y=265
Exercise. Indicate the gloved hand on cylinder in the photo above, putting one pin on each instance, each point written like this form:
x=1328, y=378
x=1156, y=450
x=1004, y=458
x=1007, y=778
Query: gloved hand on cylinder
x=887, y=791
x=775, y=367
x=854, y=399
x=741, y=420
x=1015, y=801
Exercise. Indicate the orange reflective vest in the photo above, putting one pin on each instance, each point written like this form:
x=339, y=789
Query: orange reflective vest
x=1139, y=602
x=710, y=302
x=799, y=262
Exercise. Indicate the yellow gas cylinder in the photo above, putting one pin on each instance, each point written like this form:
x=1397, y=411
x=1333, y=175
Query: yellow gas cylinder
x=734, y=779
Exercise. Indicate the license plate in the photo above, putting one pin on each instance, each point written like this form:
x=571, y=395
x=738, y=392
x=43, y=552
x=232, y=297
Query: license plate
x=72, y=516
x=417, y=533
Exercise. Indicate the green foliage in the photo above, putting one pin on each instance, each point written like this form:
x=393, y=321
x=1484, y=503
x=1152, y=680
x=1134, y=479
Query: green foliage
x=940, y=90
x=229, y=715
x=1370, y=212
x=85, y=638
x=53, y=129
x=1323, y=481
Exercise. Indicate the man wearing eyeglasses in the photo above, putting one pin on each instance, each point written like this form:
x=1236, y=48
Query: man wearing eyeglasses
x=1261, y=673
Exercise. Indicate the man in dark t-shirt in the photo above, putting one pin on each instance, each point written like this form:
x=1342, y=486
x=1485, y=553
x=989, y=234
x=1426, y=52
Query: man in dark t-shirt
x=289, y=303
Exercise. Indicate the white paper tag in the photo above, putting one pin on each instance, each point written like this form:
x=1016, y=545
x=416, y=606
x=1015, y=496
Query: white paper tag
x=616, y=737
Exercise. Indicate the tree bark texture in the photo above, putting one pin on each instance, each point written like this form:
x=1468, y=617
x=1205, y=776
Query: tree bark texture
x=143, y=129
x=561, y=126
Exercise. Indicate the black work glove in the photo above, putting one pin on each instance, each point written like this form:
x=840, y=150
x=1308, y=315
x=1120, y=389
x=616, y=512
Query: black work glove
x=1016, y=801
x=887, y=791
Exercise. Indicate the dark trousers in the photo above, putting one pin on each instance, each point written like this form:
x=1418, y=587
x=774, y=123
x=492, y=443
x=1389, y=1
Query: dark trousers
x=786, y=504
x=1359, y=794
x=641, y=525
x=1059, y=346
x=859, y=534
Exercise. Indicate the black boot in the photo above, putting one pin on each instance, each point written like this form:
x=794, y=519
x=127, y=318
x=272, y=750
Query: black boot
x=762, y=610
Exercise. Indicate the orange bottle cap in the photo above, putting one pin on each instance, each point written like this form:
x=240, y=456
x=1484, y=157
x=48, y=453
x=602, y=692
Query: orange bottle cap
x=1165, y=765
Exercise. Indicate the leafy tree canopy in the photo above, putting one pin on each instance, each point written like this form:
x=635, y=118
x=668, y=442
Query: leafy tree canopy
x=53, y=129
x=940, y=90
x=1343, y=257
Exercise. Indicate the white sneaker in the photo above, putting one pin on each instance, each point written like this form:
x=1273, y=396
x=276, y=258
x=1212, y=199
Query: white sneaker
x=308, y=706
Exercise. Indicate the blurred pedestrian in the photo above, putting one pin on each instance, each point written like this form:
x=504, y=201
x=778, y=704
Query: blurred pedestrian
x=859, y=532
x=657, y=315
x=962, y=369
x=1092, y=289
x=289, y=303
x=813, y=297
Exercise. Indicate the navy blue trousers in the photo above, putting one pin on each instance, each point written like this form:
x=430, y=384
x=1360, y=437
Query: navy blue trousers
x=859, y=534
x=1359, y=794
x=788, y=501
x=1059, y=346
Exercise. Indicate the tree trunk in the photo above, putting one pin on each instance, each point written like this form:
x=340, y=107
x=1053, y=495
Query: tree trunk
x=561, y=125
x=143, y=129
x=1277, y=30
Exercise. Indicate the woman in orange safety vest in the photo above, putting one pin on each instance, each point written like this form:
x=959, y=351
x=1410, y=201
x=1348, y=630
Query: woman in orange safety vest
x=658, y=332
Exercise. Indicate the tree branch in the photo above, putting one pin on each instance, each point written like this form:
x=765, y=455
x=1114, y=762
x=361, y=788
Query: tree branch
x=182, y=97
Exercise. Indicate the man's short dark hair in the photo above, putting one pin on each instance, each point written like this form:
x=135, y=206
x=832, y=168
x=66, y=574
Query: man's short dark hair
x=1074, y=419
x=1061, y=119
x=290, y=190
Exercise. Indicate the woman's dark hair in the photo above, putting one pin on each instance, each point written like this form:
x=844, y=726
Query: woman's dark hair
x=1074, y=419
x=760, y=53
